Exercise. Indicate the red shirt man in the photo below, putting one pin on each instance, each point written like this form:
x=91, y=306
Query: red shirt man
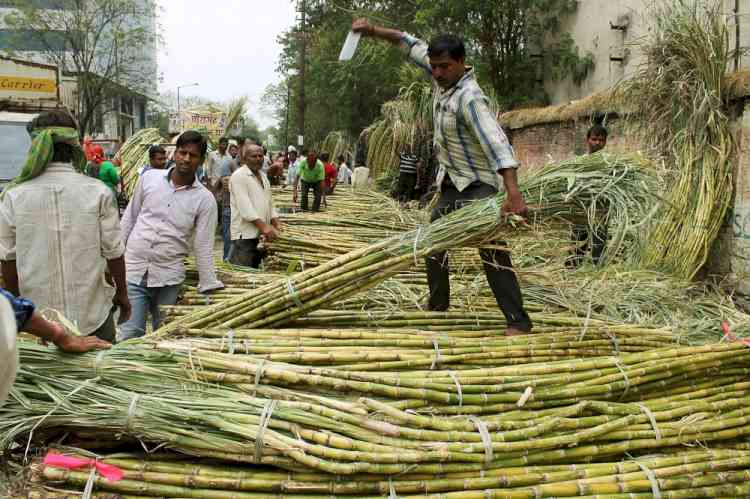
x=330, y=171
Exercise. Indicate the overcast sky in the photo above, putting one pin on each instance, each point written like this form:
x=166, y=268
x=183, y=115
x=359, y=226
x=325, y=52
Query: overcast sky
x=227, y=46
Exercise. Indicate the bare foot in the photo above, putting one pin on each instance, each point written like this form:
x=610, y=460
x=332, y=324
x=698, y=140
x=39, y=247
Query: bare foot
x=511, y=331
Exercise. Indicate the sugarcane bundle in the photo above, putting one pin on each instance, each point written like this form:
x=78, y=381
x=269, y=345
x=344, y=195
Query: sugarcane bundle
x=677, y=99
x=404, y=349
x=406, y=122
x=318, y=419
x=338, y=143
x=134, y=154
x=695, y=473
x=568, y=190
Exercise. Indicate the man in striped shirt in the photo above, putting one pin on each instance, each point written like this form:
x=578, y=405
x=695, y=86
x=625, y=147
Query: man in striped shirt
x=407, y=176
x=473, y=153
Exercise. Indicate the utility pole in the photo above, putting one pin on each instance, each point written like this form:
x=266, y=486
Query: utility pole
x=302, y=11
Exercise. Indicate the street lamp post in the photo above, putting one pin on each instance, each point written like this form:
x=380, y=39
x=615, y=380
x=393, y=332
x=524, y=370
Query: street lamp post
x=291, y=72
x=179, y=116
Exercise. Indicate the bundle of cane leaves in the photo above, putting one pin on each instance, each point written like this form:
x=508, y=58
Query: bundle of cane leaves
x=572, y=190
x=406, y=122
x=165, y=476
x=338, y=143
x=695, y=312
x=677, y=99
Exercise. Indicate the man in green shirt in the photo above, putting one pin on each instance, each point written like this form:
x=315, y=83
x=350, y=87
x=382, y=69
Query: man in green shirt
x=108, y=174
x=103, y=170
x=312, y=176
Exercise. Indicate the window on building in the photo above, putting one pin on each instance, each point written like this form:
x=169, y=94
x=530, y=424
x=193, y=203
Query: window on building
x=142, y=114
x=29, y=40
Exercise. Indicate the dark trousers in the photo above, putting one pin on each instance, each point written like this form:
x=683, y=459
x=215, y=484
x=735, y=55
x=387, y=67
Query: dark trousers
x=245, y=252
x=226, y=233
x=498, y=267
x=107, y=330
x=406, y=185
x=306, y=187
x=581, y=236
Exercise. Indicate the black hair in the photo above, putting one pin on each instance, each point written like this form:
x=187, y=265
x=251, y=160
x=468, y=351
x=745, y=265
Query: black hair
x=154, y=150
x=341, y=158
x=224, y=140
x=193, y=137
x=597, y=130
x=63, y=153
x=447, y=43
x=325, y=157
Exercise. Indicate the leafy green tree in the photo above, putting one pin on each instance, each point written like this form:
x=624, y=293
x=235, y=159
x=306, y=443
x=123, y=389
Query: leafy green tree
x=339, y=96
x=513, y=43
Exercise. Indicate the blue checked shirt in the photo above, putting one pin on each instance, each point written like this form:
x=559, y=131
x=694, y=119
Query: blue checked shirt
x=469, y=143
x=22, y=308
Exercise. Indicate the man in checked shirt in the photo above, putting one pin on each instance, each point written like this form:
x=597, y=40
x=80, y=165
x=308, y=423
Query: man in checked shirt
x=473, y=153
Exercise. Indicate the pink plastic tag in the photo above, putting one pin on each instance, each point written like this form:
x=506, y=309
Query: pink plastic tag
x=730, y=337
x=110, y=472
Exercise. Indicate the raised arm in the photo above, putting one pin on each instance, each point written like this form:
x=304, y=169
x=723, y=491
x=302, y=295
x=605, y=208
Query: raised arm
x=364, y=27
x=413, y=47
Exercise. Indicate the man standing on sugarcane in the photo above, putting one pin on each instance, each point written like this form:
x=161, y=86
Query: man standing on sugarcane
x=473, y=153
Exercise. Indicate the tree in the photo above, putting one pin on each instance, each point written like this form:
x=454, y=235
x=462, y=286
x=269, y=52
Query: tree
x=340, y=96
x=508, y=42
x=513, y=43
x=275, y=101
x=96, y=41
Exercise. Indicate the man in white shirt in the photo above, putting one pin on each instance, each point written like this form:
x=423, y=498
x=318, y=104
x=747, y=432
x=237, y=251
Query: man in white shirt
x=253, y=212
x=213, y=163
x=168, y=210
x=60, y=232
x=361, y=177
x=292, y=173
x=345, y=173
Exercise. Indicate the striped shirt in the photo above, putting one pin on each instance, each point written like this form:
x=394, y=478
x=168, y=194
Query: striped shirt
x=408, y=163
x=469, y=143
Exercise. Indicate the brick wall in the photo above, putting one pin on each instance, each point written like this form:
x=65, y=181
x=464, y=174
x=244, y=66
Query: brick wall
x=538, y=145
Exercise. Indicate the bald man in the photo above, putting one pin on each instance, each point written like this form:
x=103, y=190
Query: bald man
x=254, y=216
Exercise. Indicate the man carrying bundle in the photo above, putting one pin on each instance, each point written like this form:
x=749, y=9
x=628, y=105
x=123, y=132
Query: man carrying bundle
x=60, y=232
x=472, y=150
x=596, y=140
x=253, y=213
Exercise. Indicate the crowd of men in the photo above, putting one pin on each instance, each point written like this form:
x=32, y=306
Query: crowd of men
x=64, y=247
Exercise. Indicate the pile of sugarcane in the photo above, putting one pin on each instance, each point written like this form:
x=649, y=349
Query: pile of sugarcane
x=347, y=431
x=567, y=191
x=687, y=473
